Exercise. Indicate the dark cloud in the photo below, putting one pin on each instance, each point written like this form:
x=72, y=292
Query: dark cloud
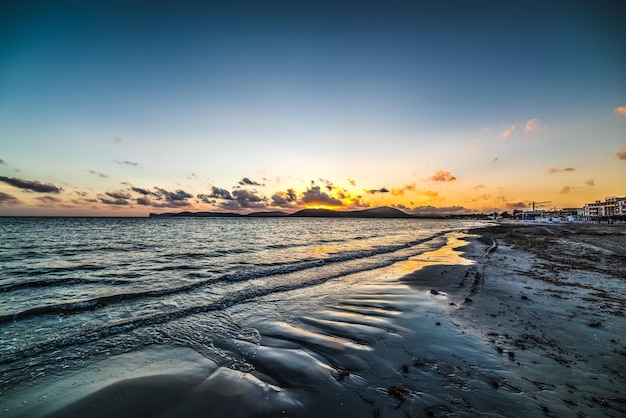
x=286, y=198
x=621, y=154
x=315, y=196
x=35, y=186
x=219, y=193
x=516, y=205
x=2, y=162
x=444, y=176
x=176, y=198
x=205, y=198
x=118, y=195
x=98, y=174
x=375, y=191
x=114, y=202
x=327, y=183
x=8, y=200
x=248, y=199
x=142, y=191
x=126, y=163
x=247, y=182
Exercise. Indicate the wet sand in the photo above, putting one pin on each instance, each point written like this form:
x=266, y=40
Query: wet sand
x=503, y=321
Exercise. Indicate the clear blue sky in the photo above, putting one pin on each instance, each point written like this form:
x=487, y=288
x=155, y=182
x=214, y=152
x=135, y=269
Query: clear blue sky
x=132, y=108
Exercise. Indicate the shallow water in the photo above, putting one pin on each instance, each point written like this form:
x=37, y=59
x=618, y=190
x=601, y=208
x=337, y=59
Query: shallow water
x=75, y=288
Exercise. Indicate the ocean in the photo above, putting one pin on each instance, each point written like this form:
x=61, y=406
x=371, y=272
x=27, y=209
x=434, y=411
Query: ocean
x=76, y=290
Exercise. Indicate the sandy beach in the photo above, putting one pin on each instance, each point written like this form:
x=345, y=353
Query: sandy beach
x=504, y=321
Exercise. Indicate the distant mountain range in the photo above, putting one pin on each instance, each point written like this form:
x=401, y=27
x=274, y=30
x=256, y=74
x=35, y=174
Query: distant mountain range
x=380, y=212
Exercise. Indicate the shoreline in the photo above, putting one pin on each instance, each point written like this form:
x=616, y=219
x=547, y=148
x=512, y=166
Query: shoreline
x=506, y=320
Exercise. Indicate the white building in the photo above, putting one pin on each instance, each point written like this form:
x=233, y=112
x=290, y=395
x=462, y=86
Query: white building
x=611, y=207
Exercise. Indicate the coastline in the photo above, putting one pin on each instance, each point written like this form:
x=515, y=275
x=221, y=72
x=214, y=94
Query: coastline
x=507, y=320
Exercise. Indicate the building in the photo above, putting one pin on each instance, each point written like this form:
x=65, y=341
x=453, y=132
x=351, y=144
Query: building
x=612, y=207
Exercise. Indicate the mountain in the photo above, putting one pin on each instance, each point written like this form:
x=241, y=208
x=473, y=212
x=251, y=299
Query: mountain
x=381, y=212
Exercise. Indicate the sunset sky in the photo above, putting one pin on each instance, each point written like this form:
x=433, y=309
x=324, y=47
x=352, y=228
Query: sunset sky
x=111, y=109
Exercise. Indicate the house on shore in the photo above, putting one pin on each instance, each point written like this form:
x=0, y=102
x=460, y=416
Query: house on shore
x=613, y=208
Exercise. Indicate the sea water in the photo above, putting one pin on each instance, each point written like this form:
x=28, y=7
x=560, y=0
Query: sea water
x=74, y=290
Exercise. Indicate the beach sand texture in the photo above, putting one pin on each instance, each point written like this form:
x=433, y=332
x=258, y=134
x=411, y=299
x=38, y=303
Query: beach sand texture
x=510, y=320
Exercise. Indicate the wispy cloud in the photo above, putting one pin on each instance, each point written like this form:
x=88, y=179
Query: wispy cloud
x=620, y=110
x=376, y=191
x=442, y=176
x=553, y=170
x=118, y=195
x=8, y=200
x=533, y=125
x=508, y=132
x=127, y=163
x=102, y=175
x=621, y=154
x=565, y=190
x=590, y=182
x=116, y=140
x=49, y=200
x=34, y=186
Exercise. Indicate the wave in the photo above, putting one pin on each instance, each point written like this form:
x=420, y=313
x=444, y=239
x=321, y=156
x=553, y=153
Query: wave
x=260, y=272
x=92, y=334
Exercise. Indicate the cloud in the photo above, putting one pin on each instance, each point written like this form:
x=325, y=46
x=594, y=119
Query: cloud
x=516, y=205
x=116, y=140
x=565, y=190
x=35, y=186
x=102, y=175
x=400, y=191
x=284, y=199
x=553, y=170
x=375, y=191
x=441, y=175
x=352, y=181
x=590, y=182
x=8, y=200
x=2, y=162
x=118, y=195
x=49, y=200
x=247, y=182
x=533, y=125
x=141, y=191
x=433, y=210
x=114, y=202
x=620, y=110
x=176, y=198
x=479, y=186
x=127, y=163
x=508, y=132
x=218, y=193
x=314, y=196
x=495, y=159
x=248, y=199
x=621, y=154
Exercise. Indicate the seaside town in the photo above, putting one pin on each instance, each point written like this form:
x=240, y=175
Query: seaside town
x=611, y=210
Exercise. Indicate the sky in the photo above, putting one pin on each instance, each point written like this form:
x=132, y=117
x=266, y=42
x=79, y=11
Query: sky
x=111, y=108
